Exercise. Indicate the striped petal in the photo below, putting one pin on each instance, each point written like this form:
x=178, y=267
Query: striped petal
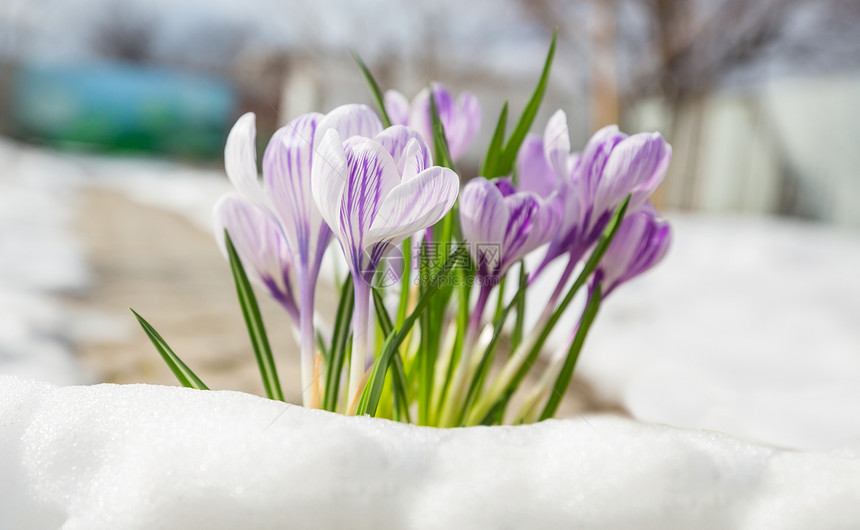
x=287, y=168
x=414, y=204
x=484, y=220
x=372, y=174
x=636, y=165
x=329, y=175
x=396, y=139
x=594, y=159
x=260, y=244
x=642, y=241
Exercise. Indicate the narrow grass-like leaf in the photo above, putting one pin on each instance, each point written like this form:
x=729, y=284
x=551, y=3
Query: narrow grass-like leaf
x=405, y=281
x=500, y=301
x=440, y=141
x=186, y=377
x=369, y=400
x=429, y=291
x=374, y=88
x=398, y=374
x=564, y=377
x=487, y=358
x=254, y=323
x=427, y=354
x=509, y=153
x=488, y=169
x=519, y=323
x=339, y=343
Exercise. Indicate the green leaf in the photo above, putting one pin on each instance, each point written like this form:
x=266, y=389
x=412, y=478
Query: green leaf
x=339, y=341
x=398, y=375
x=374, y=88
x=564, y=377
x=254, y=323
x=509, y=153
x=521, y=307
x=393, y=342
x=369, y=400
x=405, y=281
x=440, y=141
x=488, y=169
x=489, y=354
x=186, y=377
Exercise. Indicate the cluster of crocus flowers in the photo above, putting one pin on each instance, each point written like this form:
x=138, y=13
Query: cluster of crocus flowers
x=423, y=350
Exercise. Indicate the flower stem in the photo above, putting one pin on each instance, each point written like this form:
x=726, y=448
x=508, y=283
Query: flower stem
x=465, y=368
x=360, y=331
x=310, y=390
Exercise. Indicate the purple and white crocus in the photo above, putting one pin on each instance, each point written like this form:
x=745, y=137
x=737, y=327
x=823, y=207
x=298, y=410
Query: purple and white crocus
x=642, y=241
x=591, y=184
x=374, y=193
x=501, y=225
x=276, y=227
x=461, y=118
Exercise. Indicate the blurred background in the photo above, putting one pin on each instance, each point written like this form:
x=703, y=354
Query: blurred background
x=113, y=116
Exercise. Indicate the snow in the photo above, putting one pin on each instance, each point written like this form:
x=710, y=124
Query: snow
x=140, y=456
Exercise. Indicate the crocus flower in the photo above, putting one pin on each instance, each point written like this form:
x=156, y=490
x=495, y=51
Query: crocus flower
x=502, y=225
x=260, y=244
x=591, y=184
x=461, y=118
x=641, y=242
x=283, y=208
x=374, y=193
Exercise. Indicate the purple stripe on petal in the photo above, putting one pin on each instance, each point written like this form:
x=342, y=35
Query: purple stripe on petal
x=372, y=176
x=287, y=168
x=642, y=241
x=414, y=204
x=636, y=164
x=396, y=139
x=260, y=244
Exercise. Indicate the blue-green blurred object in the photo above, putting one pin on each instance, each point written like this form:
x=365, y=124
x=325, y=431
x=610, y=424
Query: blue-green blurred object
x=119, y=107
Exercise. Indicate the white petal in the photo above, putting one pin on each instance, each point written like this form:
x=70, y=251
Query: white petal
x=329, y=175
x=397, y=138
x=414, y=204
x=352, y=120
x=240, y=158
x=556, y=140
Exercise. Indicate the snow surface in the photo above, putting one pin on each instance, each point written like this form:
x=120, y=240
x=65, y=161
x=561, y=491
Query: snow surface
x=140, y=456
